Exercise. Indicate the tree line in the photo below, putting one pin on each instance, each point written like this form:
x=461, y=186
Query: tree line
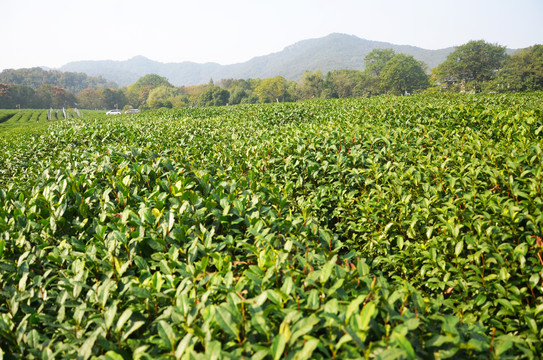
x=476, y=66
x=70, y=81
x=13, y=95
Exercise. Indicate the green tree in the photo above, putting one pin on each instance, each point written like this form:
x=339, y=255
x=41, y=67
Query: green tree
x=153, y=80
x=237, y=95
x=522, y=71
x=138, y=93
x=403, y=74
x=241, y=90
x=214, y=96
x=346, y=84
x=162, y=96
x=5, y=98
x=470, y=65
x=376, y=60
x=312, y=85
x=14, y=95
x=109, y=99
x=71, y=82
x=88, y=99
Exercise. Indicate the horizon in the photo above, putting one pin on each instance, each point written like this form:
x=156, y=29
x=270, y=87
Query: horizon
x=56, y=33
x=255, y=56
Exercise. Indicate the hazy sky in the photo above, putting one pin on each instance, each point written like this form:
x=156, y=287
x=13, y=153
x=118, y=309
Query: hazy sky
x=54, y=32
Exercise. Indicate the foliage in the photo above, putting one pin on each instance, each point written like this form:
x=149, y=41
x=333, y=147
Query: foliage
x=272, y=90
x=70, y=81
x=162, y=96
x=152, y=80
x=403, y=74
x=363, y=228
x=348, y=83
x=12, y=96
x=470, y=65
x=312, y=84
x=46, y=96
x=376, y=60
x=476, y=66
x=138, y=93
x=522, y=71
x=101, y=99
x=214, y=96
x=385, y=72
x=54, y=96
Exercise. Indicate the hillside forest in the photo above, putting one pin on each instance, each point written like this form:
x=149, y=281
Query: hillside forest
x=476, y=66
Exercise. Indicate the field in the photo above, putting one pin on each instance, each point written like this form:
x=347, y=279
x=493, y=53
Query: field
x=387, y=228
x=32, y=120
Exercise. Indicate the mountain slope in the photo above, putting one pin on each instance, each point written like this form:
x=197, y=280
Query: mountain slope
x=332, y=52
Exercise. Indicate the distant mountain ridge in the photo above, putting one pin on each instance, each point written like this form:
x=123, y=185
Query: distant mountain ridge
x=332, y=52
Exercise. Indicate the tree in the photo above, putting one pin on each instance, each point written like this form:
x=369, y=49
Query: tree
x=522, y=71
x=70, y=81
x=403, y=74
x=162, y=96
x=346, y=83
x=101, y=99
x=109, y=99
x=375, y=61
x=152, y=79
x=470, y=65
x=237, y=95
x=312, y=84
x=214, y=96
x=241, y=90
x=88, y=99
x=54, y=96
x=191, y=94
x=5, y=98
x=272, y=89
x=138, y=93
x=23, y=96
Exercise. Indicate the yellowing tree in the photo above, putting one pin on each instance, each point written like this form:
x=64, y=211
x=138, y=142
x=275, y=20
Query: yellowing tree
x=272, y=90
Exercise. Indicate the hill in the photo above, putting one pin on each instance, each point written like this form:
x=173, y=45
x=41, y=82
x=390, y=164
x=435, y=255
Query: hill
x=332, y=52
x=73, y=82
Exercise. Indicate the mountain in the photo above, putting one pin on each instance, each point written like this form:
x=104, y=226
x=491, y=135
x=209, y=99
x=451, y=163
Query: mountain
x=332, y=52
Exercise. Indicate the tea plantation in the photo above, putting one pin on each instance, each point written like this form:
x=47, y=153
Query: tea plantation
x=383, y=228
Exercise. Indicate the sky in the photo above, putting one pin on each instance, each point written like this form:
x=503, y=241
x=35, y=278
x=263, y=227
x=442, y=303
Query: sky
x=52, y=33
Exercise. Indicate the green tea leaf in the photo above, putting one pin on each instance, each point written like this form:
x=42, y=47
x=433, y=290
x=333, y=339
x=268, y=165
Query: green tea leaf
x=307, y=351
x=166, y=334
x=224, y=319
x=303, y=327
x=112, y=355
x=278, y=346
x=183, y=345
x=404, y=344
x=366, y=315
x=123, y=319
x=85, y=351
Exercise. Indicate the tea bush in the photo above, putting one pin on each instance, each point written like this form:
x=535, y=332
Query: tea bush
x=391, y=227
